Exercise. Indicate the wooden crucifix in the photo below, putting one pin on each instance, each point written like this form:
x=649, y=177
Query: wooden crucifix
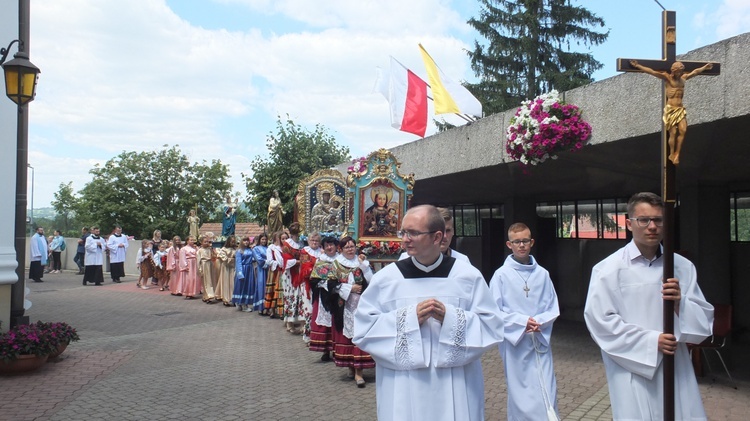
x=674, y=126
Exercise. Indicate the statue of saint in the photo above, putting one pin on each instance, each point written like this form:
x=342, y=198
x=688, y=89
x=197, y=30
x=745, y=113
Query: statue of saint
x=275, y=213
x=674, y=117
x=193, y=222
x=230, y=217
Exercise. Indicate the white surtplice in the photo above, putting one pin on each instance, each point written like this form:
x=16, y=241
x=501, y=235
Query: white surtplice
x=624, y=315
x=432, y=371
x=524, y=291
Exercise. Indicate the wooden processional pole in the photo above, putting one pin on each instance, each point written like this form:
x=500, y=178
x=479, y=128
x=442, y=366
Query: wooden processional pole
x=663, y=69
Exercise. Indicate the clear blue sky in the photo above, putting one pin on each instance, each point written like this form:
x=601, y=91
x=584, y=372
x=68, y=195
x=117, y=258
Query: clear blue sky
x=213, y=75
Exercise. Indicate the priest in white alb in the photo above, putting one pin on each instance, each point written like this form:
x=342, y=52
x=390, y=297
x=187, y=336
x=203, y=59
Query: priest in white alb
x=624, y=316
x=527, y=300
x=427, y=321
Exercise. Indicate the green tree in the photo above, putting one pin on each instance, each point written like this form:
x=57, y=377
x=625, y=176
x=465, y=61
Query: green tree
x=528, y=50
x=144, y=191
x=295, y=153
x=65, y=204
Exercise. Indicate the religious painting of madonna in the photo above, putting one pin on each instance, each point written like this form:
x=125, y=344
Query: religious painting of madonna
x=382, y=202
x=322, y=203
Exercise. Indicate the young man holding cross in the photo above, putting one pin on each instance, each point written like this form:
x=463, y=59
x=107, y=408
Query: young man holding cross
x=624, y=316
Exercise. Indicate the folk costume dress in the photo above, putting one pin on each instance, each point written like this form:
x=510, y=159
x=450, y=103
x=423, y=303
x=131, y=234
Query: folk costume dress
x=624, y=316
x=145, y=262
x=205, y=271
x=94, y=259
x=244, y=278
x=274, y=293
x=191, y=282
x=294, y=308
x=343, y=304
x=308, y=257
x=261, y=273
x=173, y=267
x=320, y=318
x=430, y=371
x=117, y=255
x=160, y=267
x=225, y=286
x=522, y=291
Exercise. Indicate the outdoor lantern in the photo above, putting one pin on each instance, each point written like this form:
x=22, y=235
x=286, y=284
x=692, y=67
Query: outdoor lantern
x=20, y=79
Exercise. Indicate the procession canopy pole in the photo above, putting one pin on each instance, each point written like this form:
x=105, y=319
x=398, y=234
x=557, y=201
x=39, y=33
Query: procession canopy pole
x=672, y=135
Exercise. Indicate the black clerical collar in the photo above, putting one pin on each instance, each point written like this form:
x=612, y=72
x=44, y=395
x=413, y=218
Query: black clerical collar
x=117, y=235
x=409, y=270
x=94, y=236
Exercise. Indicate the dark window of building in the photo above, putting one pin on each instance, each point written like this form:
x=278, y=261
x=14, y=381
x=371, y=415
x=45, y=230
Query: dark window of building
x=739, y=211
x=600, y=218
x=467, y=219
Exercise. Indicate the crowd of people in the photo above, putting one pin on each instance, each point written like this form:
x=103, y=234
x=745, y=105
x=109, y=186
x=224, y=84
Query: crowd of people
x=424, y=321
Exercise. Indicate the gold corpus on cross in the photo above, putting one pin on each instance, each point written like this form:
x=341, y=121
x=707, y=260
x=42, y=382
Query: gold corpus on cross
x=673, y=74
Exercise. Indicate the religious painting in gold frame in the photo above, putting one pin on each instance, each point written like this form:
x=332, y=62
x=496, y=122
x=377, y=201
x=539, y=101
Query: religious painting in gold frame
x=323, y=203
x=381, y=196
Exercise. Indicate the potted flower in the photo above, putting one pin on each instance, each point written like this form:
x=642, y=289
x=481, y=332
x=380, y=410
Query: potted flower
x=544, y=127
x=59, y=335
x=24, y=348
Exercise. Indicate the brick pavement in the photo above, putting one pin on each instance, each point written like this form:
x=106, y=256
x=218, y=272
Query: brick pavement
x=146, y=355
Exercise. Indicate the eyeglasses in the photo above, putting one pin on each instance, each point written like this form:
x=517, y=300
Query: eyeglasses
x=525, y=242
x=643, y=221
x=412, y=234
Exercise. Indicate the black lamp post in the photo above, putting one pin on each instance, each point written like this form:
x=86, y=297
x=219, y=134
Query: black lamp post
x=20, y=86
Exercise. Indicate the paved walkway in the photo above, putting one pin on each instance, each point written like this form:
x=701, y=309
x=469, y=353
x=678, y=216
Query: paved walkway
x=146, y=355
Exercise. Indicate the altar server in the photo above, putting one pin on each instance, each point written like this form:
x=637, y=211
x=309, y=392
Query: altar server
x=427, y=321
x=624, y=316
x=528, y=305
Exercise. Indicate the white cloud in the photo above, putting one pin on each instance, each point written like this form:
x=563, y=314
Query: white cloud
x=133, y=76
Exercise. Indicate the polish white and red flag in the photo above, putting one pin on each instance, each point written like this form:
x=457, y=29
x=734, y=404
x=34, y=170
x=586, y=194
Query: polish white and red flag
x=407, y=95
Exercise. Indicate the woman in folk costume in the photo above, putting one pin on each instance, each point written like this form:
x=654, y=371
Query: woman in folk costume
x=294, y=308
x=191, y=283
x=225, y=286
x=174, y=283
x=205, y=258
x=320, y=319
x=353, y=274
x=244, y=278
x=275, y=264
x=261, y=273
x=308, y=256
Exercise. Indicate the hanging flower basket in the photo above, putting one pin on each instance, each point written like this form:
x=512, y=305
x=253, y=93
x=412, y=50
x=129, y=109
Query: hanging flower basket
x=544, y=127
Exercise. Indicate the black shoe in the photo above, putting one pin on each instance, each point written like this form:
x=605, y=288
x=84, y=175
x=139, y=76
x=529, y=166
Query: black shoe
x=325, y=357
x=98, y=284
x=117, y=281
x=80, y=271
x=38, y=280
x=83, y=283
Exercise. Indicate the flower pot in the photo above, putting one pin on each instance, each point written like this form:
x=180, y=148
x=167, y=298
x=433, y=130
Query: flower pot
x=58, y=351
x=22, y=364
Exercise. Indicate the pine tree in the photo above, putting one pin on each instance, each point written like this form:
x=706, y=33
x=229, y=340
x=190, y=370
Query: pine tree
x=527, y=50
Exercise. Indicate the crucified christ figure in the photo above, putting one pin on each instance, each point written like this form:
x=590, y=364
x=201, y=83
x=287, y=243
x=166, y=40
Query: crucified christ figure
x=674, y=118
